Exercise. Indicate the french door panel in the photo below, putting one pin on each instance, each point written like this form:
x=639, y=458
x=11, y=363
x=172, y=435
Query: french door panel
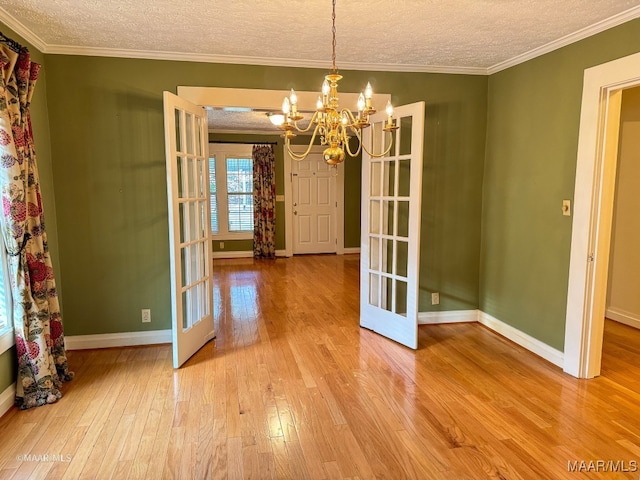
x=189, y=226
x=390, y=236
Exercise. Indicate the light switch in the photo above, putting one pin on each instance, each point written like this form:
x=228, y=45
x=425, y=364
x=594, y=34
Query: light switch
x=566, y=208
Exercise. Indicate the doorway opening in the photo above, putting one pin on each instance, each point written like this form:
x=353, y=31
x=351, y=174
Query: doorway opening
x=592, y=224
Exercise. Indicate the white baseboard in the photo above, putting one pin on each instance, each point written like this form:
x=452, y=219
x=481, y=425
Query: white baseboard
x=452, y=316
x=7, y=399
x=243, y=254
x=231, y=254
x=622, y=316
x=125, y=339
x=350, y=250
x=527, y=341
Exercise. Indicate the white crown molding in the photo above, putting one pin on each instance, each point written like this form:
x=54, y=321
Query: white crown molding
x=239, y=131
x=17, y=26
x=524, y=340
x=264, y=61
x=7, y=399
x=581, y=34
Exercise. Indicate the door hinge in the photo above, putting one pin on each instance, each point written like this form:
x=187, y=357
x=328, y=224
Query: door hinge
x=591, y=257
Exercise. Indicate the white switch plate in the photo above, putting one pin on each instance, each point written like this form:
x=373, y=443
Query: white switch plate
x=566, y=208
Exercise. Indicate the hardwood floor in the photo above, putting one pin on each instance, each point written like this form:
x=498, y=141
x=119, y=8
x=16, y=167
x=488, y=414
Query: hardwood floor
x=293, y=388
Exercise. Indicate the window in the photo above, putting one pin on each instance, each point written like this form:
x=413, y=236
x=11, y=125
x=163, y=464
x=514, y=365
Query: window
x=231, y=187
x=6, y=324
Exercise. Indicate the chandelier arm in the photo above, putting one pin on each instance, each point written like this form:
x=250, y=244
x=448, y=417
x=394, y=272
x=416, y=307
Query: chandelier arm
x=357, y=152
x=298, y=156
x=304, y=130
x=378, y=155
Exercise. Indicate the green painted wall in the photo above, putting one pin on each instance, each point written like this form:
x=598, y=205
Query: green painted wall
x=532, y=138
x=107, y=139
x=40, y=123
x=492, y=234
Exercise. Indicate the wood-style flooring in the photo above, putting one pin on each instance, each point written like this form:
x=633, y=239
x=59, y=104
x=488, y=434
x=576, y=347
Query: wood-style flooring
x=293, y=388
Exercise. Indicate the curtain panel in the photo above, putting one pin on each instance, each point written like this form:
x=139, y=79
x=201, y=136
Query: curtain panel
x=42, y=360
x=264, y=202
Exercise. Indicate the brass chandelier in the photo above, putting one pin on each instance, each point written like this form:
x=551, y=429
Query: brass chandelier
x=333, y=125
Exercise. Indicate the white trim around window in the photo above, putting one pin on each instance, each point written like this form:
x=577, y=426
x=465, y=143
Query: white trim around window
x=7, y=337
x=221, y=152
x=7, y=340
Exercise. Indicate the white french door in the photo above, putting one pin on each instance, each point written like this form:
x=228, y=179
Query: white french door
x=314, y=205
x=189, y=226
x=390, y=238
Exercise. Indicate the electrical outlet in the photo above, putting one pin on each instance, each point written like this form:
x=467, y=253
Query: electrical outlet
x=435, y=298
x=146, y=315
x=221, y=245
x=566, y=208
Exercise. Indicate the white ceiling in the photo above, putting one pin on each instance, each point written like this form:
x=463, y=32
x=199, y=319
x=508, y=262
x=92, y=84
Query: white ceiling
x=465, y=36
x=455, y=36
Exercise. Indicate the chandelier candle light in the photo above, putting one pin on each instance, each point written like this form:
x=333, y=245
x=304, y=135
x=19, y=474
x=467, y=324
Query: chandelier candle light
x=331, y=123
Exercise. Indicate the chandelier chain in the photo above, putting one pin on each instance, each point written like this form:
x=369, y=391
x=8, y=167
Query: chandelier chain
x=334, y=125
x=333, y=43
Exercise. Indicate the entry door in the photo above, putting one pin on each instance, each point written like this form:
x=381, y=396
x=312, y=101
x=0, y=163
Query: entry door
x=189, y=226
x=390, y=238
x=314, y=205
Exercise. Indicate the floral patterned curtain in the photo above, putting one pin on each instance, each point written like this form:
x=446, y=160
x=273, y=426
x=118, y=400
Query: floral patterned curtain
x=264, y=202
x=42, y=361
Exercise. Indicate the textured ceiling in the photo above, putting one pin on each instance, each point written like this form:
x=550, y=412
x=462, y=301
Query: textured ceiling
x=375, y=34
x=459, y=36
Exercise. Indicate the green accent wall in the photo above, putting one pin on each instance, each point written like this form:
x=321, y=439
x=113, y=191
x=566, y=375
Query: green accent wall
x=108, y=142
x=500, y=155
x=532, y=140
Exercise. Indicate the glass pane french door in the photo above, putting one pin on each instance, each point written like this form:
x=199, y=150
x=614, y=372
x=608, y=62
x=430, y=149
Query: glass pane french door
x=390, y=237
x=189, y=226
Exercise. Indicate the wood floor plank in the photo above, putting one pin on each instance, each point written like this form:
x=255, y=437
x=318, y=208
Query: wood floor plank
x=292, y=387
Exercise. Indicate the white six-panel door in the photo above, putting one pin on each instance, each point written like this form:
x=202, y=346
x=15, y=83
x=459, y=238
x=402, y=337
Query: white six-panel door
x=390, y=227
x=314, y=205
x=189, y=226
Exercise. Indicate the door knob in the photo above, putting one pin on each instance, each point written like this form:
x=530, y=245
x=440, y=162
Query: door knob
x=295, y=212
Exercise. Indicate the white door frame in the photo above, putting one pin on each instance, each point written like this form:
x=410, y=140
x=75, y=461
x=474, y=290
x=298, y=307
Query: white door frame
x=593, y=210
x=288, y=204
x=272, y=100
